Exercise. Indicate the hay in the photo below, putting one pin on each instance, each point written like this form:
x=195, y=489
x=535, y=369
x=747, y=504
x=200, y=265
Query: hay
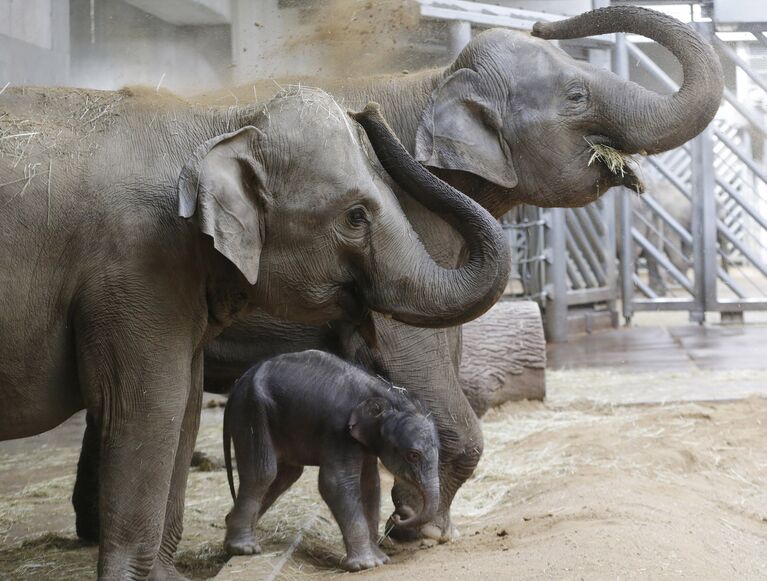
x=616, y=161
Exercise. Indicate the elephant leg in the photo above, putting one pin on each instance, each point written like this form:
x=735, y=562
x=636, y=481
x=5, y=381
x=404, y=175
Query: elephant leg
x=164, y=567
x=85, y=497
x=135, y=372
x=257, y=471
x=339, y=485
x=370, y=488
x=287, y=474
x=142, y=411
x=423, y=361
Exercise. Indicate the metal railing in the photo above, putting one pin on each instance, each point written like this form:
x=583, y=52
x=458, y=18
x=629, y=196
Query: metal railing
x=724, y=244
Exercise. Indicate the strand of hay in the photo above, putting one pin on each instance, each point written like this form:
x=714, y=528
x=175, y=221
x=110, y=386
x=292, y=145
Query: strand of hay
x=616, y=161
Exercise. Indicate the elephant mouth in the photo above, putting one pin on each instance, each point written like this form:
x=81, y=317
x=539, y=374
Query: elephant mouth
x=615, y=162
x=355, y=310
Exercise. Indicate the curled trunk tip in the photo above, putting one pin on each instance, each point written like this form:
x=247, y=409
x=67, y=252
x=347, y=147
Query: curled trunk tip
x=433, y=296
x=644, y=120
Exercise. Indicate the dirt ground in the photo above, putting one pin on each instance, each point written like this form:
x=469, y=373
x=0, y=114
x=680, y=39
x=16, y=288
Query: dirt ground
x=569, y=489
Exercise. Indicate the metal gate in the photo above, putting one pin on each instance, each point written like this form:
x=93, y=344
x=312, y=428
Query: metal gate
x=712, y=255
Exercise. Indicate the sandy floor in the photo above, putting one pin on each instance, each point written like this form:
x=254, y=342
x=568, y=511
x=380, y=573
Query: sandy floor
x=569, y=489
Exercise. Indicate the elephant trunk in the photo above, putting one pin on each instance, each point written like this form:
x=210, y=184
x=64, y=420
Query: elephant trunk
x=428, y=295
x=430, y=495
x=641, y=120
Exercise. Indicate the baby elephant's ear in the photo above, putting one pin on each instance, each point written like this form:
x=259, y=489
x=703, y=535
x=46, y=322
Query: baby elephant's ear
x=223, y=184
x=365, y=421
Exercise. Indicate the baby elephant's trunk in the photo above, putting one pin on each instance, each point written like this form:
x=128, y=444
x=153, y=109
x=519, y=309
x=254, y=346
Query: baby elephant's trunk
x=430, y=495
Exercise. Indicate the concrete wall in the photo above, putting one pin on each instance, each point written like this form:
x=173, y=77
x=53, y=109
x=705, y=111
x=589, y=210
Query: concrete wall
x=34, y=42
x=134, y=47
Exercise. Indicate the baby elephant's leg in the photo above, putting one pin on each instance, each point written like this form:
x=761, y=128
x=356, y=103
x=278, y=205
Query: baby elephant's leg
x=287, y=474
x=340, y=489
x=257, y=469
x=370, y=484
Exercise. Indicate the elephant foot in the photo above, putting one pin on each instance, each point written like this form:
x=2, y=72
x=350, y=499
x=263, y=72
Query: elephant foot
x=241, y=544
x=365, y=561
x=164, y=572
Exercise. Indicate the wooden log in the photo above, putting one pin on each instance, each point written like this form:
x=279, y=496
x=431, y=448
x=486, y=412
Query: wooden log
x=504, y=356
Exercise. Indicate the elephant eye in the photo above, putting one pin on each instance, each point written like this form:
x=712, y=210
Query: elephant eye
x=413, y=456
x=576, y=97
x=357, y=217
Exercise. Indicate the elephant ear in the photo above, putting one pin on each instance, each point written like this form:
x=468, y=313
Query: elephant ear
x=461, y=129
x=223, y=184
x=365, y=421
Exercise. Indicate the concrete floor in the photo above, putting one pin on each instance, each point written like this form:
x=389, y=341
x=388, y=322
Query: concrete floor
x=673, y=348
x=655, y=363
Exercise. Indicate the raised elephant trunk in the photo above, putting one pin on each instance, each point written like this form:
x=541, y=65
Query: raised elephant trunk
x=640, y=120
x=430, y=295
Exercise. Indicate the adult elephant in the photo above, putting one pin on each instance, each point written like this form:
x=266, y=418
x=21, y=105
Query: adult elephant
x=110, y=292
x=511, y=121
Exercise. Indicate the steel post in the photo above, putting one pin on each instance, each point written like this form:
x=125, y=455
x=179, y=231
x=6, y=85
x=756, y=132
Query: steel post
x=704, y=225
x=556, y=289
x=624, y=203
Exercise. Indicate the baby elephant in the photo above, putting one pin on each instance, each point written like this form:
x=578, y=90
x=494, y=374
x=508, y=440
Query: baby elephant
x=314, y=409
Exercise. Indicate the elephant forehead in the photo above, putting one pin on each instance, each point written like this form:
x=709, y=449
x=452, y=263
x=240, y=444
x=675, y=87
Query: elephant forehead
x=314, y=113
x=408, y=429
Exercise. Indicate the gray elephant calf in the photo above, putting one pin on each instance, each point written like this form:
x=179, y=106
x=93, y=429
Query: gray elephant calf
x=314, y=409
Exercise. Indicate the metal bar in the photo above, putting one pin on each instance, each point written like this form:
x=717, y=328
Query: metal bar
x=668, y=218
x=703, y=224
x=733, y=239
x=664, y=243
x=761, y=39
x=670, y=176
x=624, y=202
x=747, y=114
x=732, y=146
x=576, y=281
x=490, y=9
x=646, y=290
x=580, y=261
x=556, y=290
x=589, y=296
x=739, y=62
x=728, y=280
x=664, y=304
x=599, y=219
x=610, y=247
x=663, y=260
x=650, y=66
x=742, y=203
x=746, y=304
x=575, y=229
x=596, y=241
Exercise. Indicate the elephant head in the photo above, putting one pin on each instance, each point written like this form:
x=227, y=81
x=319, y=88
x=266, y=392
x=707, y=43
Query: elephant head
x=408, y=446
x=516, y=116
x=298, y=203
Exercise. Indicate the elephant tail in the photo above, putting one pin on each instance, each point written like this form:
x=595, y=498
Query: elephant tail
x=228, y=449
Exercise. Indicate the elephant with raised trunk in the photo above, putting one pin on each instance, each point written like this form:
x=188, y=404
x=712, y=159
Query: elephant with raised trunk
x=511, y=121
x=133, y=231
